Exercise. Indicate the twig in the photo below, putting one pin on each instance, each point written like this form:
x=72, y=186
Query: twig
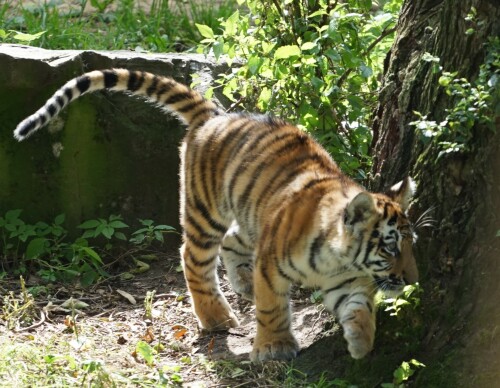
x=35, y=325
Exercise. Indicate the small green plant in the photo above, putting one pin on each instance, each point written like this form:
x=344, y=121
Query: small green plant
x=46, y=249
x=410, y=298
x=403, y=373
x=101, y=227
x=149, y=233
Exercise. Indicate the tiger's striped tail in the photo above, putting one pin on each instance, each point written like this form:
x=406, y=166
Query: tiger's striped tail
x=186, y=103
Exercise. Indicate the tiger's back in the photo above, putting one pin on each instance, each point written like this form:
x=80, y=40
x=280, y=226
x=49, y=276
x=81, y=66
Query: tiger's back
x=270, y=201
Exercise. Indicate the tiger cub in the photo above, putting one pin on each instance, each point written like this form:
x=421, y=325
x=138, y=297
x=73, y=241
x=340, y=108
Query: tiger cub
x=269, y=200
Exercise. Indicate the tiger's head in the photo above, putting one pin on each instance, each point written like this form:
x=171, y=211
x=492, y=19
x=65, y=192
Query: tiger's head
x=380, y=225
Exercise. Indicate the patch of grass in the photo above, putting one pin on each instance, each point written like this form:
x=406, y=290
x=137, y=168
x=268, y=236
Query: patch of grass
x=112, y=25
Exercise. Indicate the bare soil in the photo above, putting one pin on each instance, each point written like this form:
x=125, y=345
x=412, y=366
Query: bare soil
x=112, y=325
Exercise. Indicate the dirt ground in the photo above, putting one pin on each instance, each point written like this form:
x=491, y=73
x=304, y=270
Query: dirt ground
x=114, y=322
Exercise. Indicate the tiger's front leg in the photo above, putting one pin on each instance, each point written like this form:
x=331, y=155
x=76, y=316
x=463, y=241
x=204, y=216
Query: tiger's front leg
x=359, y=330
x=210, y=306
x=355, y=311
x=274, y=339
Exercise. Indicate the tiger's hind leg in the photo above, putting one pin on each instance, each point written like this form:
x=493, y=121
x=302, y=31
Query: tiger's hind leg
x=237, y=255
x=199, y=259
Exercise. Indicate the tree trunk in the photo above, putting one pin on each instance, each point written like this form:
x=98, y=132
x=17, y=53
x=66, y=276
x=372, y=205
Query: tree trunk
x=459, y=258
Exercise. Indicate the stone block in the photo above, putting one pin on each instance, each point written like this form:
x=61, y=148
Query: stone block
x=107, y=153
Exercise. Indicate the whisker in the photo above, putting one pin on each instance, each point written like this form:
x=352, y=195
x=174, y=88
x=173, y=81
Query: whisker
x=425, y=219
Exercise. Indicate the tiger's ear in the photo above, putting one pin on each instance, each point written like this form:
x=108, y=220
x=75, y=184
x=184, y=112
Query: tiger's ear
x=402, y=192
x=359, y=209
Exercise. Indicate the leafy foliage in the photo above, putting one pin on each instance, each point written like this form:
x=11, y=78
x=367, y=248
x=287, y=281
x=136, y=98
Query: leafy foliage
x=474, y=103
x=409, y=298
x=46, y=248
x=312, y=62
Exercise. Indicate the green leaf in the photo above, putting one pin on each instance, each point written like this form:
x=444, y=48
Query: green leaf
x=12, y=215
x=145, y=351
x=165, y=227
x=59, y=219
x=158, y=236
x=308, y=46
x=80, y=242
x=88, y=234
x=267, y=47
x=88, y=277
x=118, y=224
x=23, y=37
x=205, y=31
x=254, y=64
x=444, y=80
x=120, y=236
x=318, y=13
x=209, y=93
x=231, y=24
x=90, y=224
x=218, y=47
x=366, y=71
x=284, y=52
x=36, y=248
x=108, y=232
x=92, y=254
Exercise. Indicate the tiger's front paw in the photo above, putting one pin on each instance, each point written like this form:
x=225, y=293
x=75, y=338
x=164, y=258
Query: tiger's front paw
x=359, y=332
x=278, y=349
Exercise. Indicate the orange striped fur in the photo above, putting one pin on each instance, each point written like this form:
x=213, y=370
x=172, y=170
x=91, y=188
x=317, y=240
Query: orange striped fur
x=271, y=203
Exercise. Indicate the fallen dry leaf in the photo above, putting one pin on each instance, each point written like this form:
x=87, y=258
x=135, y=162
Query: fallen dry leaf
x=69, y=321
x=210, y=346
x=179, y=331
x=127, y=296
x=148, y=336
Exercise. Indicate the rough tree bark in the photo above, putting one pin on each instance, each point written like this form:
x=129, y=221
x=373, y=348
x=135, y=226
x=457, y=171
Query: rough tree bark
x=459, y=258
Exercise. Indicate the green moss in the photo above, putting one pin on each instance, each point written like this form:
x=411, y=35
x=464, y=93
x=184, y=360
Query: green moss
x=119, y=156
x=82, y=165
